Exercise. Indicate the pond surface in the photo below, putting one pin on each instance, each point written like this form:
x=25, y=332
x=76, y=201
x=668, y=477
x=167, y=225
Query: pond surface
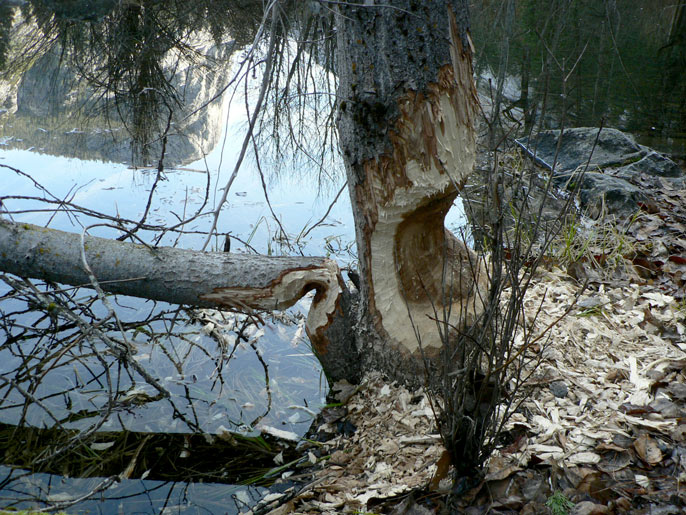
x=619, y=64
x=264, y=375
x=130, y=496
x=116, y=189
x=231, y=379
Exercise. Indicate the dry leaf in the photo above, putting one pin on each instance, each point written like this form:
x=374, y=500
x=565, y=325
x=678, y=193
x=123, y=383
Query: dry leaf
x=614, y=461
x=503, y=473
x=586, y=458
x=442, y=469
x=647, y=450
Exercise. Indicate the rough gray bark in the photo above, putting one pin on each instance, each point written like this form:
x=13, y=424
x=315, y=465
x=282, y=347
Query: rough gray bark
x=204, y=279
x=407, y=107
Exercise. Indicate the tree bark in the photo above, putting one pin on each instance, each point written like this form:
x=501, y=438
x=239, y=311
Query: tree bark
x=240, y=282
x=407, y=110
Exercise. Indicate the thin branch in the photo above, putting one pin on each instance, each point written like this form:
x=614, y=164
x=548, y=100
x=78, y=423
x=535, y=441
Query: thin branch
x=251, y=127
x=327, y=211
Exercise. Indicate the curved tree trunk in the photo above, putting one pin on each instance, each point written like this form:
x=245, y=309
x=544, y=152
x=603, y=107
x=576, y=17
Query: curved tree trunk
x=240, y=282
x=407, y=109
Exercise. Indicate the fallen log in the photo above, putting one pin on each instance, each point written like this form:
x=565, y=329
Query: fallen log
x=221, y=280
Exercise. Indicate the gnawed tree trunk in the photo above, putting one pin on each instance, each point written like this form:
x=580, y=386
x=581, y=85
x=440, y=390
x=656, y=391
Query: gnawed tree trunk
x=204, y=279
x=407, y=110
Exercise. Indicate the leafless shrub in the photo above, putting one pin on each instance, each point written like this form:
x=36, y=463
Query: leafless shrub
x=480, y=378
x=516, y=217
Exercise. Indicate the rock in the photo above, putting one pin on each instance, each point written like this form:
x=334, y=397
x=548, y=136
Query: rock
x=613, y=148
x=653, y=164
x=617, y=169
x=599, y=192
x=559, y=389
x=651, y=171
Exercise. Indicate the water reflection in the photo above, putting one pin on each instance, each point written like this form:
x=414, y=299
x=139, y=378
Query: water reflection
x=621, y=63
x=125, y=496
x=61, y=361
x=118, y=81
x=68, y=121
x=224, y=373
x=117, y=189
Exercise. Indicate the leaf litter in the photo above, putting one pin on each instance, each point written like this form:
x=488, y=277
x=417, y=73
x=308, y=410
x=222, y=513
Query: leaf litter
x=604, y=419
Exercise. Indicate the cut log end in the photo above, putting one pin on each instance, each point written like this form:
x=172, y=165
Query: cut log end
x=328, y=325
x=240, y=282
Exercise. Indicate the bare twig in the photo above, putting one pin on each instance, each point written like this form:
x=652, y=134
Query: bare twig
x=327, y=211
x=252, y=119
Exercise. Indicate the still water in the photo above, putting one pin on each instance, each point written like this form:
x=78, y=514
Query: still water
x=271, y=379
x=116, y=189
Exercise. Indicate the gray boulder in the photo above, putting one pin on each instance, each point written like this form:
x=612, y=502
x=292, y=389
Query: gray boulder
x=602, y=194
x=608, y=168
x=613, y=148
x=653, y=163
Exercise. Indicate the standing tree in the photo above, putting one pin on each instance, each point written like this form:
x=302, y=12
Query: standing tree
x=406, y=114
x=407, y=110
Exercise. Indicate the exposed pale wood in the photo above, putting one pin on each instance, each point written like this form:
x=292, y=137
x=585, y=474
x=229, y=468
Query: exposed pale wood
x=406, y=127
x=407, y=107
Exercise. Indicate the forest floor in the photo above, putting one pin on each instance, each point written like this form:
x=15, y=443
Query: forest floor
x=602, y=428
